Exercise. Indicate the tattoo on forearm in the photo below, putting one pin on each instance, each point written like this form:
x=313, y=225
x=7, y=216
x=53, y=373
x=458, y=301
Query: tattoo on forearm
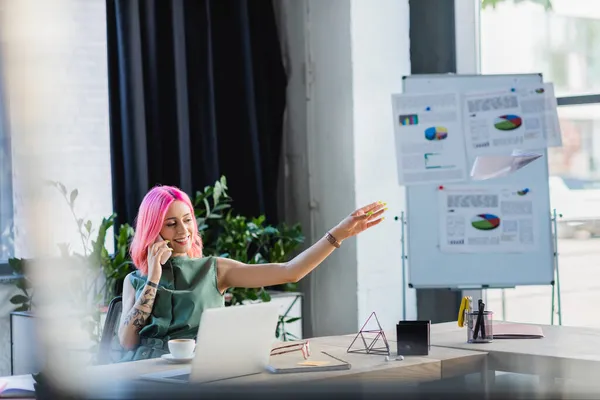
x=147, y=299
x=137, y=318
x=141, y=309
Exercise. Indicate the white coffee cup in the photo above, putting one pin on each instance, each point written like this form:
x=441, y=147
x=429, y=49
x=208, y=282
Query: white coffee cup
x=182, y=348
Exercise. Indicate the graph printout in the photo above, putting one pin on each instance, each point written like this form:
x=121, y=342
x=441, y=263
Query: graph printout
x=487, y=219
x=500, y=121
x=538, y=103
x=429, y=138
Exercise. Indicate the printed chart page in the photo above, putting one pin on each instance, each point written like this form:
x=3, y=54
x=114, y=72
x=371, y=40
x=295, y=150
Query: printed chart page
x=500, y=121
x=540, y=102
x=487, y=219
x=429, y=138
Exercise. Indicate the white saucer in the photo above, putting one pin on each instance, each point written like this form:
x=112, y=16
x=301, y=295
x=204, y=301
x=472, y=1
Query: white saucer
x=169, y=358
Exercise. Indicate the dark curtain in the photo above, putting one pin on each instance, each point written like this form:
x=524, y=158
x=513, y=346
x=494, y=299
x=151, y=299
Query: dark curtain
x=197, y=90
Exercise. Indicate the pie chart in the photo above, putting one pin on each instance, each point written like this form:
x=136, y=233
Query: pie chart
x=436, y=133
x=485, y=222
x=507, y=122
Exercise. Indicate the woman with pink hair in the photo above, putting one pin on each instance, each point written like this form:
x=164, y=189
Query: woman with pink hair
x=174, y=282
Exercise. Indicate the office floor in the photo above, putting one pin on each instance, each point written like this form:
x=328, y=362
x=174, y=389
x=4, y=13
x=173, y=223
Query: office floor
x=579, y=266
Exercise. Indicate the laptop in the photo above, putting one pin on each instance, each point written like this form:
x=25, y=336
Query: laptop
x=232, y=342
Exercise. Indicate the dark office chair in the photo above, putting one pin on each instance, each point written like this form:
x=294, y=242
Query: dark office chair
x=110, y=349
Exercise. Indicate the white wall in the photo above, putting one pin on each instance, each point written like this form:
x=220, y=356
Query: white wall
x=345, y=58
x=380, y=57
x=73, y=140
x=75, y=133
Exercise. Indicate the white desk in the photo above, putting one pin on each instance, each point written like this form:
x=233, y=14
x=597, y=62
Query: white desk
x=565, y=352
x=566, y=360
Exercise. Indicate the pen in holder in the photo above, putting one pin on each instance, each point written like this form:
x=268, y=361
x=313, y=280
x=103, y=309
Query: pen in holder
x=480, y=325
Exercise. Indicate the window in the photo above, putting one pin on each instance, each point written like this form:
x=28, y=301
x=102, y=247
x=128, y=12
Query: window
x=79, y=148
x=580, y=184
x=562, y=42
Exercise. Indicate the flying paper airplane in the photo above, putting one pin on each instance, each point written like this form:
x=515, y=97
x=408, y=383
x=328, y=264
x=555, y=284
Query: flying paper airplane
x=492, y=166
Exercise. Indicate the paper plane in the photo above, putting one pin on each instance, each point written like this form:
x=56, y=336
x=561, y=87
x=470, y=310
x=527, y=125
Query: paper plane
x=490, y=167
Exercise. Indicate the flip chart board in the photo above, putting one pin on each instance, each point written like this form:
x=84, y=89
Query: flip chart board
x=429, y=265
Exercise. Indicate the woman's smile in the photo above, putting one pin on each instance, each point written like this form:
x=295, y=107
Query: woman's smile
x=182, y=241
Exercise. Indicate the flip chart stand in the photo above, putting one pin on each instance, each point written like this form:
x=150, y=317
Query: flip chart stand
x=556, y=282
x=404, y=258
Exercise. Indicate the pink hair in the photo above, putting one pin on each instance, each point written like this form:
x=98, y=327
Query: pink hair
x=149, y=222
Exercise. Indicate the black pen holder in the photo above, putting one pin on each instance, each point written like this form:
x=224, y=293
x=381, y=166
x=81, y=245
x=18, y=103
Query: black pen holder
x=413, y=338
x=480, y=329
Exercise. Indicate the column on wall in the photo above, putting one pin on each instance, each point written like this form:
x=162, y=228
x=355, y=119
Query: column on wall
x=344, y=60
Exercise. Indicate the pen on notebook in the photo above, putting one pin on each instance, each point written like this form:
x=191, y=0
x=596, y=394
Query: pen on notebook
x=3, y=386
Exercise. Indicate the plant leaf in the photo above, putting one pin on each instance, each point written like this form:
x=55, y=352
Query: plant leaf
x=271, y=230
x=221, y=206
x=218, y=190
x=24, y=307
x=23, y=284
x=16, y=264
x=73, y=196
x=61, y=188
x=251, y=295
x=265, y=296
x=206, y=206
x=19, y=299
x=88, y=226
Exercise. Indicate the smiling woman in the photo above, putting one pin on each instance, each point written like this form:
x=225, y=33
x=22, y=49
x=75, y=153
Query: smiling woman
x=174, y=283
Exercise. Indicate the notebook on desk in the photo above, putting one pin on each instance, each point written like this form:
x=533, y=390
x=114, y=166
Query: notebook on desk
x=517, y=331
x=289, y=364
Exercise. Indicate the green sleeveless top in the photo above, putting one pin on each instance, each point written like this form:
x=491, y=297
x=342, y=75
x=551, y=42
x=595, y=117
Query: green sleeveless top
x=187, y=287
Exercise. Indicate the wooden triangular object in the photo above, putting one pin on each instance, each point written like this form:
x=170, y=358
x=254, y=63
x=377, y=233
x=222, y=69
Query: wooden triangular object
x=369, y=338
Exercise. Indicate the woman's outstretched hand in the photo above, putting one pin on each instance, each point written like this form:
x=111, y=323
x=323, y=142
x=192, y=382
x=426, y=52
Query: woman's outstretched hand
x=360, y=220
